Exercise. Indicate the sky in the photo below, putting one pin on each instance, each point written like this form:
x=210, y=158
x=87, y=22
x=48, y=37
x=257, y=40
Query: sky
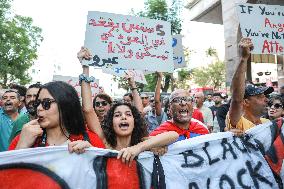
x=63, y=23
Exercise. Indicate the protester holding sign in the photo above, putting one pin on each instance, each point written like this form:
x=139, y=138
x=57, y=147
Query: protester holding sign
x=60, y=120
x=123, y=129
x=249, y=102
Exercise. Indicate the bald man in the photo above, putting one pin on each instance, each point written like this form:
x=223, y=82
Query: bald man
x=181, y=109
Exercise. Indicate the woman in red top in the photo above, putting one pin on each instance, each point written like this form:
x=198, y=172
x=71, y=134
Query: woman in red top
x=60, y=121
x=123, y=130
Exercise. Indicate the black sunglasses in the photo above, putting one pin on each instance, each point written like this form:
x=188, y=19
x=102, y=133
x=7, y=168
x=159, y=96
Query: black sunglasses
x=146, y=97
x=102, y=103
x=45, y=103
x=180, y=99
x=276, y=106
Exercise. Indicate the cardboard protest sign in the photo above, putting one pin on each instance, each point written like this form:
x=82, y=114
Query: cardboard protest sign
x=137, y=75
x=264, y=24
x=178, y=57
x=218, y=160
x=74, y=81
x=119, y=41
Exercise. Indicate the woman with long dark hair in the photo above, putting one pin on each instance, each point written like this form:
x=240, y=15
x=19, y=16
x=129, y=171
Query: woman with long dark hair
x=123, y=128
x=59, y=121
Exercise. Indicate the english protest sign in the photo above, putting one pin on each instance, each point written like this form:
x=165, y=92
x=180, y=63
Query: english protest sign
x=264, y=24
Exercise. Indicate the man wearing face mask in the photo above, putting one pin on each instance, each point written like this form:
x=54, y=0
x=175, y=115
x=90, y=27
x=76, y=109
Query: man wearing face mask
x=8, y=114
x=31, y=111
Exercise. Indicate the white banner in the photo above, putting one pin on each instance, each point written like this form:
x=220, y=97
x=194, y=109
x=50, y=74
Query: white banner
x=179, y=60
x=264, y=24
x=74, y=82
x=137, y=75
x=207, y=162
x=119, y=41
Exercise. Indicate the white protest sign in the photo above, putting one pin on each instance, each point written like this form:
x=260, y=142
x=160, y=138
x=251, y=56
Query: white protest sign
x=218, y=160
x=119, y=41
x=137, y=75
x=178, y=57
x=264, y=24
x=74, y=82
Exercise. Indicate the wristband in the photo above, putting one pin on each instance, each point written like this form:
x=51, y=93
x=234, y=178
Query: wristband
x=84, y=77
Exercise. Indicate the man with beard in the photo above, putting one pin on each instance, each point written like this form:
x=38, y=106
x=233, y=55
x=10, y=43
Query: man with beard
x=248, y=102
x=217, y=98
x=8, y=114
x=182, y=122
x=25, y=118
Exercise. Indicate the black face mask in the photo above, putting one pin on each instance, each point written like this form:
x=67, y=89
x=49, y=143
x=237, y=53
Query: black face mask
x=31, y=108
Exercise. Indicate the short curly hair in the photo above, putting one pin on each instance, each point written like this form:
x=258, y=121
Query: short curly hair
x=138, y=132
x=102, y=96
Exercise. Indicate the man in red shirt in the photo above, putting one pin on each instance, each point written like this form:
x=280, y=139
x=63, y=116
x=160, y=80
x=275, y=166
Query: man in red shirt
x=182, y=122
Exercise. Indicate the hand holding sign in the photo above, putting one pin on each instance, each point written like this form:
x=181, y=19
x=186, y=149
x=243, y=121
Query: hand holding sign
x=84, y=53
x=128, y=154
x=78, y=146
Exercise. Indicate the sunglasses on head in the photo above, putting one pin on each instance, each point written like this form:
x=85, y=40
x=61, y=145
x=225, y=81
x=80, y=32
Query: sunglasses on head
x=102, y=103
x=276, y=106
x=180, y=99
x=45, y=103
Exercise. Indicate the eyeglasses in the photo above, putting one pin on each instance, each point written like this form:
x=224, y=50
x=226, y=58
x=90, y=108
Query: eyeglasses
x=180, y=99
x=45, y=103
x=102, y=103
x=145, y=97
x=276, y=106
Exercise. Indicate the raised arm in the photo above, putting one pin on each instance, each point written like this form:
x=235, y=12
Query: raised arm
x=157, y=98
x=86, y=93
x=238, y=82
x=137, y=102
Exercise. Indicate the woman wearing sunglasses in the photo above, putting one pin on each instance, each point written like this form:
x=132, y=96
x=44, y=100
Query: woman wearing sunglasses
x=59, y=121
x=275, y=107
x=101, y=105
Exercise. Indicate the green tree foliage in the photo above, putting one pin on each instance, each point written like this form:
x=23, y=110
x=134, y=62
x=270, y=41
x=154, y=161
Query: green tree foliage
x=213, y=75
x=123, y=83
x=159, y=10
x=19, y=41
x=184, y=75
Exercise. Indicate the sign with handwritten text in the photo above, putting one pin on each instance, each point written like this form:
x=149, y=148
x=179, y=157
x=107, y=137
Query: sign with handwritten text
x=179, y=61
x=118, y=41
x=137, y=75
x=264, y=24
x=74, y=82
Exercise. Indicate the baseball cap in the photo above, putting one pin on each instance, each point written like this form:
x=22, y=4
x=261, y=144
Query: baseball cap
x=252, y=90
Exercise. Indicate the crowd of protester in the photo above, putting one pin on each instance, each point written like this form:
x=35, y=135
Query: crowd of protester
x=51, y=114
